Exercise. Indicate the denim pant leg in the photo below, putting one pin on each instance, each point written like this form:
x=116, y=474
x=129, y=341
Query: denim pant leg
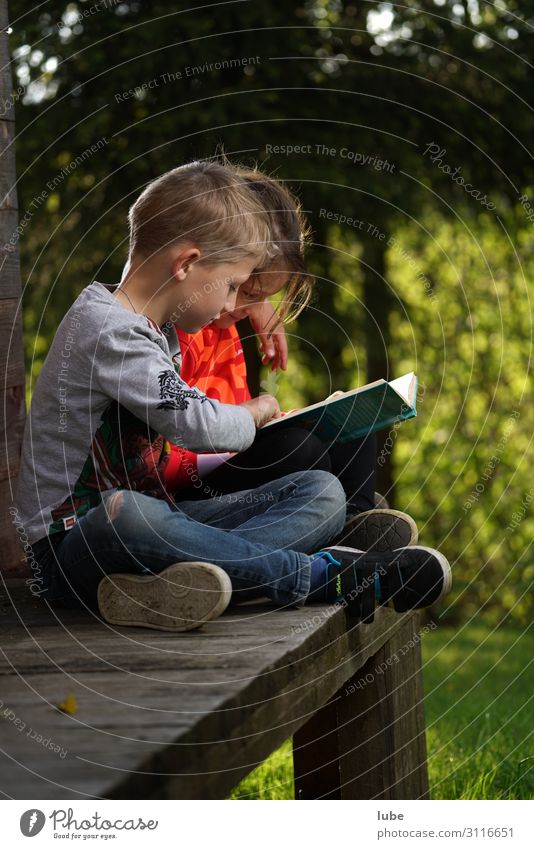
x=132, y=532
x=302, y=511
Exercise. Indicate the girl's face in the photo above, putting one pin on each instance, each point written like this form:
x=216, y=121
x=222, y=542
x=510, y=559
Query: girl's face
x=207, y=293
x=258, y=287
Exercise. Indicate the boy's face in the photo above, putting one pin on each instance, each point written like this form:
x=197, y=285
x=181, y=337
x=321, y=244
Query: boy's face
x=257, y=288
x=207, y=292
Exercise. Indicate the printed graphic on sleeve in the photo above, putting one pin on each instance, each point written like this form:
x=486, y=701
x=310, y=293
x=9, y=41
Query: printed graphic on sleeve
x=171, y=390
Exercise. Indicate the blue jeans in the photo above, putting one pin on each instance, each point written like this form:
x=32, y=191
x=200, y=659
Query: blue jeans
x=261, y=537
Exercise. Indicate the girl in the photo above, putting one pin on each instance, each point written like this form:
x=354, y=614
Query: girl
x=213, y=360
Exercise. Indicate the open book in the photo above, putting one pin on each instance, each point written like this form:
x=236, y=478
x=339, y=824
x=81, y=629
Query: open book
x=349, y=415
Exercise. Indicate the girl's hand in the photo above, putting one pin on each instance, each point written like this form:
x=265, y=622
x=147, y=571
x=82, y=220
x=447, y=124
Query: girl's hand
x=272, y=336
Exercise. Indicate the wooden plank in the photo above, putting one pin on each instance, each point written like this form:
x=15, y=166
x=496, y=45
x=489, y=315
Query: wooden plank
x=7, y=94
x=11, y=435
x=384, y=750
x=11, y=356
x=11, y=352
x=8, y=194
x=6, y=88
x=9, y=260
x=378, y=750
x=213, y=705
x=9, y=254
x=11, y=556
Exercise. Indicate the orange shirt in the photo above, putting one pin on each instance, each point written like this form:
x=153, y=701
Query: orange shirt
x=212, y=360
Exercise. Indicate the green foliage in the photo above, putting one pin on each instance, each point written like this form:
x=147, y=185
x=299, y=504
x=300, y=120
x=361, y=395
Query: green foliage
x=461, y=320
x=273, y=779
x=470, y=341
x=478, y=694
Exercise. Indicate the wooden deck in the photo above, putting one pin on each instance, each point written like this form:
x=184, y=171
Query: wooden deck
x=188, y=716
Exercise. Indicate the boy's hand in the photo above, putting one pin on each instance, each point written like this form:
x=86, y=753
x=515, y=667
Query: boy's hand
x=272, y=336
x=262, y=409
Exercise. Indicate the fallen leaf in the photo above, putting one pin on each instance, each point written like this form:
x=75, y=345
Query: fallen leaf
x=70, y=705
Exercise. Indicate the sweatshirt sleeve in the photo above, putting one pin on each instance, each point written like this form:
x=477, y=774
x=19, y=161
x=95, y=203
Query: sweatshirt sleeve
x=181, y=468
x=134, y=370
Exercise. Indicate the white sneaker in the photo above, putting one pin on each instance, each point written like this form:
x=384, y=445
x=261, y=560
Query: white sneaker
x=180, y=598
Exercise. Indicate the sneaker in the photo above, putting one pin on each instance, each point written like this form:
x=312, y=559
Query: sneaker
x=407, y=578
x=379, y=530
x=180, y=598
x=381, y=502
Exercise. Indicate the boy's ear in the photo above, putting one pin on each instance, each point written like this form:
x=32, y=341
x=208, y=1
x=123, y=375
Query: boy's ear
x=183, y=261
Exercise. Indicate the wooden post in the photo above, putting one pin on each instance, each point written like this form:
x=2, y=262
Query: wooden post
x=368, y=741
x=11, y=353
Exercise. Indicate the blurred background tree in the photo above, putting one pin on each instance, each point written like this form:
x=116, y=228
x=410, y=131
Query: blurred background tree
x=386, y=108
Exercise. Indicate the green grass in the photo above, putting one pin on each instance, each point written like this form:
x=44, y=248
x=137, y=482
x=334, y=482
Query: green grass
x=479, y=688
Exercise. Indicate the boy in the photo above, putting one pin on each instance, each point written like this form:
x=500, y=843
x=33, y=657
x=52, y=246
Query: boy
x=91, y=494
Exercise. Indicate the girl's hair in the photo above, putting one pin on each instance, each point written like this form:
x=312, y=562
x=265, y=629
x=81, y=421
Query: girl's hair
x=290, y=233
x=208, y=204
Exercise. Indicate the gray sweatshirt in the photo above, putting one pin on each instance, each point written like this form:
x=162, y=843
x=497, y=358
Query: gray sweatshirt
x=108, y=401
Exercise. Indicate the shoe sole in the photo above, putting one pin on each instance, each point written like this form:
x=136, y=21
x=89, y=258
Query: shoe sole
x=180, y=598
x=384, y=530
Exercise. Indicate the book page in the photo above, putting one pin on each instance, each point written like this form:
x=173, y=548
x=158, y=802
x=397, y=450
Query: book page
x=404, y=386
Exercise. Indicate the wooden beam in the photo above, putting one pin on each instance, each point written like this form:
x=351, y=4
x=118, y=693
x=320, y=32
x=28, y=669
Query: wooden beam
x=12, y=409
x=6, y=89
x=368, y=741
x=9, y=252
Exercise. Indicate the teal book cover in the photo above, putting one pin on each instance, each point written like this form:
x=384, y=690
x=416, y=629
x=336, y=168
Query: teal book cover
x=349, y=415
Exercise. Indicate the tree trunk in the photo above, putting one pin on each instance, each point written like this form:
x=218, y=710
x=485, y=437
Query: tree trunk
x=11, y=354
x=252, y=356
x=378, y=302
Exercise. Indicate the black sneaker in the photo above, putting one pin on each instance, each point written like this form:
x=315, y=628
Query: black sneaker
x=378, y=530
x=408, y=578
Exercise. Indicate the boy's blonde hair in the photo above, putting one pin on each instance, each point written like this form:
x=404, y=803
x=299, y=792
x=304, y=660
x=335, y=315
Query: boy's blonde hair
x=207, y=204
